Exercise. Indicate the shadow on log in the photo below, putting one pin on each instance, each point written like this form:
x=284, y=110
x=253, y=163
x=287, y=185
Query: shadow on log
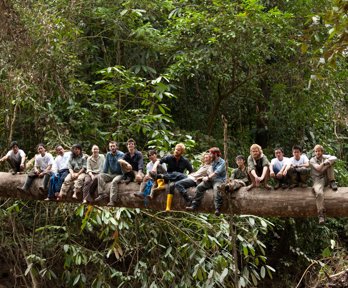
x=298, y=202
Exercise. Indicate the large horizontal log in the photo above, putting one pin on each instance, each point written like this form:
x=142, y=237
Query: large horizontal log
x=298, y=202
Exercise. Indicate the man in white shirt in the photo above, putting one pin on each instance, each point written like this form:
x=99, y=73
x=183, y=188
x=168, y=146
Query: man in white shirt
x=16, y=158
x=61, y=170
x=42, y=169
x=298, y=168
x=278, y=168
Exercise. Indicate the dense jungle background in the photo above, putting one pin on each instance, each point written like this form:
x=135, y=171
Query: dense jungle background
x=162, y=72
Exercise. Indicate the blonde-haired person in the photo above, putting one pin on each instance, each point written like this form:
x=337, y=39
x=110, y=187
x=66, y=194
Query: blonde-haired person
x=194, y=178
x=258, y=168
x=95, y=165
x=322, y=174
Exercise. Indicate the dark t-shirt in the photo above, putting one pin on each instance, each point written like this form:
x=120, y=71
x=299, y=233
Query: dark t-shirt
x=176, y=166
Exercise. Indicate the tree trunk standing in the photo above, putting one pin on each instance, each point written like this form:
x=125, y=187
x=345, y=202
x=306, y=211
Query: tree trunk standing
x=299, y=202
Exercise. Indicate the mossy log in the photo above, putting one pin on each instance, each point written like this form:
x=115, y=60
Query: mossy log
x=298, y=202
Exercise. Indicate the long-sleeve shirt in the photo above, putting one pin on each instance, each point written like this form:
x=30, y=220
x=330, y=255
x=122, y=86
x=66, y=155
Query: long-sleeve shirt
x=95, y=165
x=111, y=165
x=77, y=163
x=136, y=160
x=239, y=174
x=219, y=169
x=203, y=171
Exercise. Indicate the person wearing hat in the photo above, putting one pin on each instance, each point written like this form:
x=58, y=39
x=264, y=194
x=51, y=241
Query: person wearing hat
x=16, y=158
x=42, y=169
x=216, y=178
x=77, y=166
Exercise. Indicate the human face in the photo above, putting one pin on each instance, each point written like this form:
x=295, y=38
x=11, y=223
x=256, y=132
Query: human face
x=60, y=150
x=178, y=151
x=76, y=151
x=153, y=158
x=279, y=154
x=41, y=150
x=95, y=150
x=296, y=153
x=318, y=153
x=255, y=153
x=15, y=149
x=130, y=146
x=240, y=163
x=207, y=159
x=112, y=148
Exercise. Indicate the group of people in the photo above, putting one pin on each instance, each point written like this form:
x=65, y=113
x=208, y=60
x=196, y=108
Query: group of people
x=87, y=176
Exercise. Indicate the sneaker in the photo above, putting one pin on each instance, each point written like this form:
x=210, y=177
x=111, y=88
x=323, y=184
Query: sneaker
x=303, y=185
x=268, y=187
x=277, y=186
x=101, y=198
x=217, y=212
x=248, y=188
x=22, y=190
x=43, y=190
x=333, y=185
x=111, y=204
x=321, y=220
x=190, y=208
x=284, y=186
x=14, y=172
x=49, y=199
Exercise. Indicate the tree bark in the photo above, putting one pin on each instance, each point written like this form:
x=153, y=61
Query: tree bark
x=298, y=202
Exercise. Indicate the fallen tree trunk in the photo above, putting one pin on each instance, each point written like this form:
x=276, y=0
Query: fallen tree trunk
x=298, y=202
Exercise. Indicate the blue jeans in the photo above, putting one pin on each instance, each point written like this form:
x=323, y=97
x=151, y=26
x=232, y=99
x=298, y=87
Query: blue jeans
x=56, y=182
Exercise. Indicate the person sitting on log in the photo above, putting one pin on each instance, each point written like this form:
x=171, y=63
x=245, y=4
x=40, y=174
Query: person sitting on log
x=95, y=165
x=77, y=168
x=258, y=168
x=42, y=169
x=132, y=164
x=194, y=178
x=239, y=177
x=148, y=181
x=278, y=169
x=322, y=174
x=176, y=166
x=16, y=158
x=213, y=180
x=61, y=170
x=112, y=172
x=298, y=168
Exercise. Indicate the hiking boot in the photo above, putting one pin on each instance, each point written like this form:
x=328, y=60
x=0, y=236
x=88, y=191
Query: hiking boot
x=217, y=212
x=139, y=195
x=333, y=185
x=187, y=198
